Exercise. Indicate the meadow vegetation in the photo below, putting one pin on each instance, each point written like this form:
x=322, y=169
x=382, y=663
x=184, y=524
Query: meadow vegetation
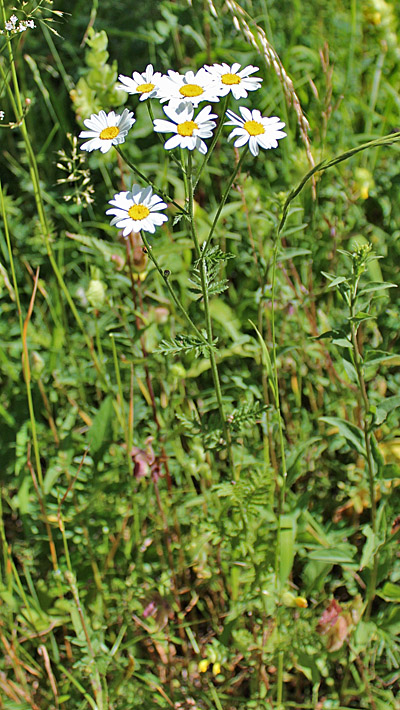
x=199, y=356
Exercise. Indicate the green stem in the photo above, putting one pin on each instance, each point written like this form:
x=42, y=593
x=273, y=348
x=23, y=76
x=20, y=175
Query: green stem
x=282, y=488
x=25, y=359
x=224, y=198
x=367, y=439
x=204, y=288
x=213, y=143
x=325, y=164
x=170, y=152
x=165, y=277
x=145, y=179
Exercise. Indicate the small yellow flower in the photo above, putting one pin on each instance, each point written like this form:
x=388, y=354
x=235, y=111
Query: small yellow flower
x=203, y=665
x=301, y=602
x=216, y=669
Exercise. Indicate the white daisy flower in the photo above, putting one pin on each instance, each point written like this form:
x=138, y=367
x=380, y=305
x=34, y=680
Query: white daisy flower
x=137, y=209
x=254, y=129
x=188, y=130
x=145, y=84
x=106, y=130
x=193, y=87
x=230, y=79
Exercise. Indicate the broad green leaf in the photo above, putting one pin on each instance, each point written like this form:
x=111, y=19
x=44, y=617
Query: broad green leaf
x=349, y=431
x=333, y=556
x=101, y=425
x=105, y=248
x=286, y=552
x=293, y=457
x=266, y=358
x=390, y=592
x=391, y=471
x=375, y=286
x=369, y=547
x=385, y=407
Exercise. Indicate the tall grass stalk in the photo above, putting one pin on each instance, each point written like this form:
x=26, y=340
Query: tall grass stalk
x=34, y=174
x=23, y=332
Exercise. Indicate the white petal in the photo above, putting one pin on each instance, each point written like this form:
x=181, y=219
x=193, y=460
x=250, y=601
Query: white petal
x=253, y=144
x=248, y=70
x=162, y=126
x=88, y=134
x=158, y=218
x=245, y=113
x=112, y=119
x=205, y=115
x=256, y=116
x=146, y=195
x=91, y=145
x=241, y=140
x=173, y=142
x=201, y=146
x=239, y=131
x=234, y=120
x=239, y=92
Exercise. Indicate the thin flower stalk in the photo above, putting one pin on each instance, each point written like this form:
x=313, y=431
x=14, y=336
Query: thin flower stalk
x=367, y=439
x=217, y=133
x=224, y=198
x=143, y=177
x=214, y=369
x=165, y=276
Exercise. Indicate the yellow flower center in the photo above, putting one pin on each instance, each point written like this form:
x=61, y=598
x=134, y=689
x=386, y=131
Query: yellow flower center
x=109, y=132
x=186, y=128
x=254, y=128
x=190, y=90
x=230, y=79
x=138, y=212
x=145, y=88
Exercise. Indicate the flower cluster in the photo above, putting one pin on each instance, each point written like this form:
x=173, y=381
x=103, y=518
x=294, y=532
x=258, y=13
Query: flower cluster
x=14, y=26
x=182, y=93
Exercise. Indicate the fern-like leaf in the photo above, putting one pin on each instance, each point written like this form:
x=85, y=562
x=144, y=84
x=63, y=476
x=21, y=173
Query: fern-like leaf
x=186, y=344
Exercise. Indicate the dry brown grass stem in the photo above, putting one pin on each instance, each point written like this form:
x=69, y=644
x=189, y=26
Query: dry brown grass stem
x=257, y=37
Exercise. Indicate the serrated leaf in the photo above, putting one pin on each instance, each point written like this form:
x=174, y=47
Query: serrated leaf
x=186, y=343
x=218, y=287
